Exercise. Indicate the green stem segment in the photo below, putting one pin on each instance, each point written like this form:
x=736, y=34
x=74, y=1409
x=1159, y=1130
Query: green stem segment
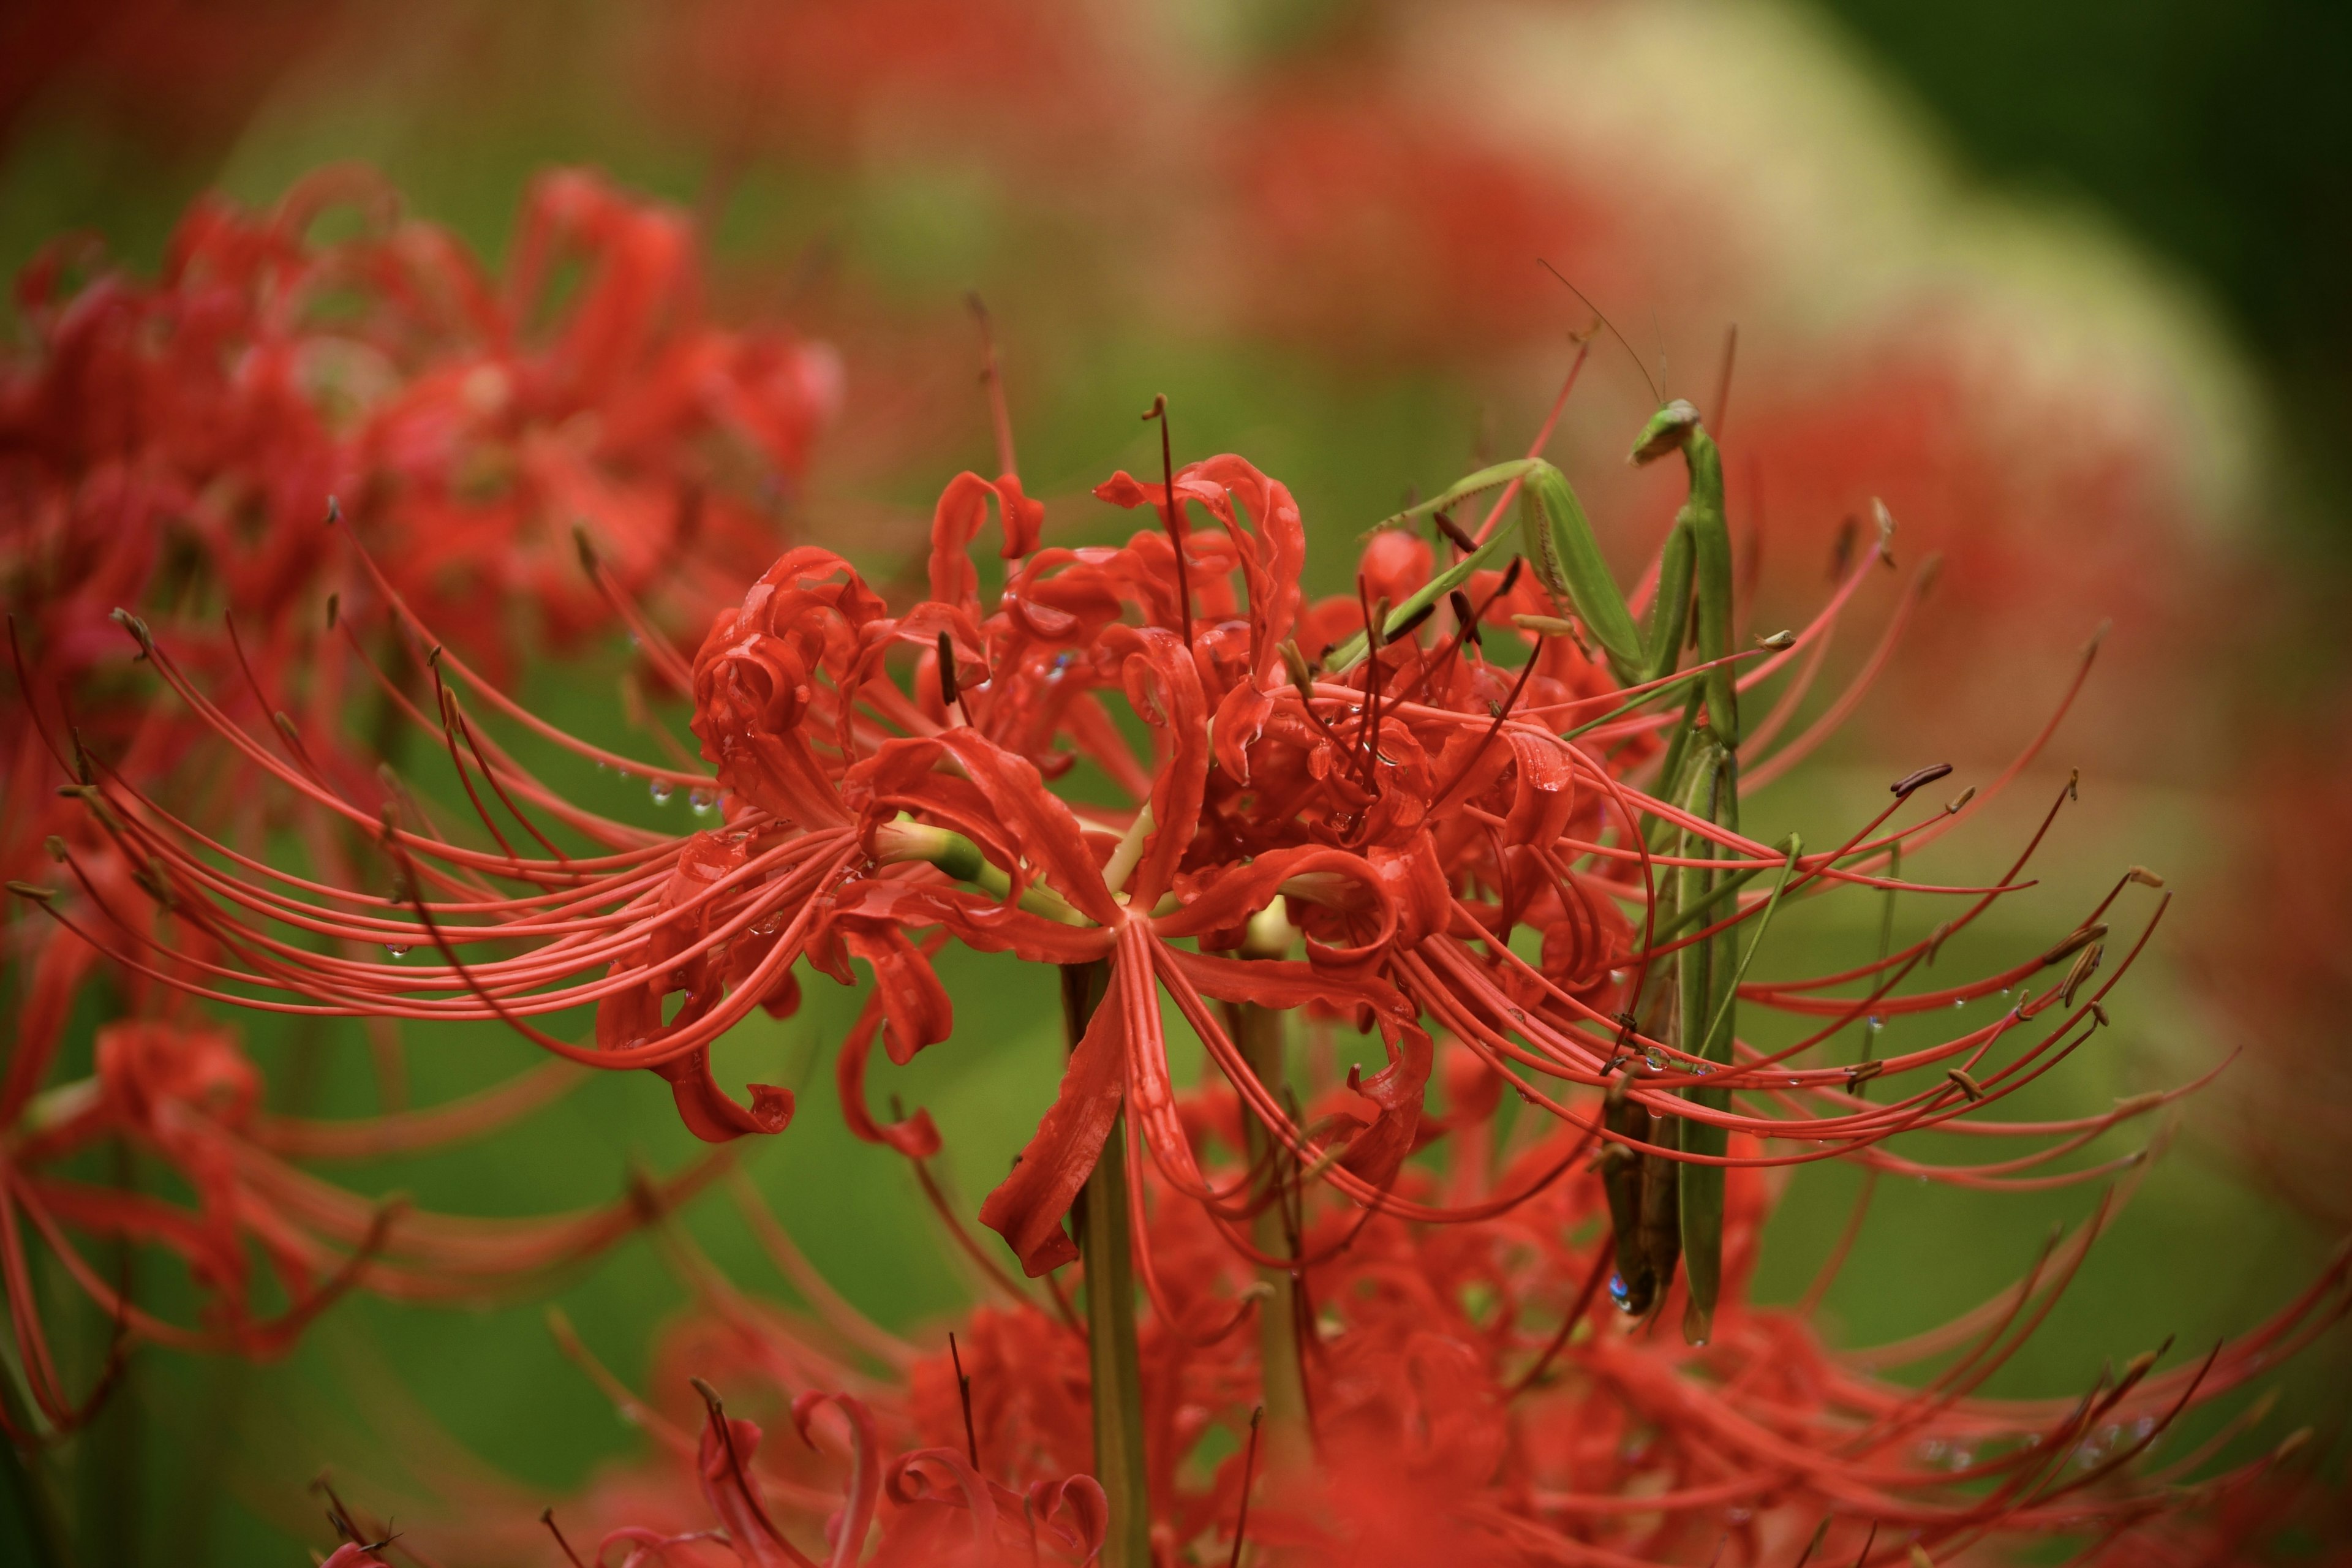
x=1115, y=1369
x=1289, y=1443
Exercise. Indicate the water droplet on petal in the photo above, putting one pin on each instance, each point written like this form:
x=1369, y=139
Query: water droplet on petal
x=397, y=950
x=1619, y=1293
x=704, y=801
x=1655, y=1058
x=661, y=790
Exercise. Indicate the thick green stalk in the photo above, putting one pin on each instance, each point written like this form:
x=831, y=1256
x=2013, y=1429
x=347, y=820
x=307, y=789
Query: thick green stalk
x=1288, y=1430
x=1289, y=1444
x=1115, y=1370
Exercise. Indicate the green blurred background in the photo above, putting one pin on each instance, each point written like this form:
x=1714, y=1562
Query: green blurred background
x=2213, y=135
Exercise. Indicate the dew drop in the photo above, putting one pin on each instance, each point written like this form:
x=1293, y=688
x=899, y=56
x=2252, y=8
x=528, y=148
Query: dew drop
x=395, y=949
x=1876, y=1023
x=661, y=790
x=1959, y=1003
x=1619, y=1293
x=1655, y=1058
x=704, y=801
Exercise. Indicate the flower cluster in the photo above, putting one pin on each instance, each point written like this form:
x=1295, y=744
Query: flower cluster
x=1484, y=800
x=525, y=450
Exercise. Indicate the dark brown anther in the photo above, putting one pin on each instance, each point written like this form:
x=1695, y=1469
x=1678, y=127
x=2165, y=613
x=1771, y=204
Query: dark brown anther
x=1452, y=531
x=56, y=849
x=1464, y=617
x=1411, y=623
x=1967, y=1085
x=949, y=696
x=1173, y=515
x=547, y=1518
x=2074, y=784
x=334, y=610
x=2080, y=975
x=1510, y=576
x=1842, y=553
x=1862, y=1073
x=32, y=890
x=2074, y=943
x=1904, y=786
x=1952, y=806
x=1778, y=640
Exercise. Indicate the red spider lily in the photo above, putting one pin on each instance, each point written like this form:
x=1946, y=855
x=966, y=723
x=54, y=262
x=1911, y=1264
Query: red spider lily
x=169, y=446
x=213, y=411
x=183, y=1094
x=1410, y=805
x=1377, y=804
x=1465, y=1397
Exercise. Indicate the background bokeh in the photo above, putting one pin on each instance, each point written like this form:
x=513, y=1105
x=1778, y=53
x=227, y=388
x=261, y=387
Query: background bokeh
x=2061, y=281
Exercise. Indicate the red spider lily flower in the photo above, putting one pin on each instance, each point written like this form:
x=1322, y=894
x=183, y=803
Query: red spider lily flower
x=213, y=410
x=1468, y=1396
x=169, y=446
x=185, y=1094
x=832, y=814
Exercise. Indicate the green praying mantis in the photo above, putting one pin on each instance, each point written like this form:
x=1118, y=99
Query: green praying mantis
x=1663, y=1211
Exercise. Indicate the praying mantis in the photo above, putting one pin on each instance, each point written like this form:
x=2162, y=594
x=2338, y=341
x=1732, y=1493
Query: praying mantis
x=1665, y=1211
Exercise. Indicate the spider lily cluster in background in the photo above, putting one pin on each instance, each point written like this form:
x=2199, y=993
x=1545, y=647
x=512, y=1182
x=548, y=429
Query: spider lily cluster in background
x=1486, y=809
x=169, y=446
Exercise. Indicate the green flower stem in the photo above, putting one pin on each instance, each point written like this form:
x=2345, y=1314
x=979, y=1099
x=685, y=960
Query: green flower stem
x=1113, y=1367
x=1288, y=1434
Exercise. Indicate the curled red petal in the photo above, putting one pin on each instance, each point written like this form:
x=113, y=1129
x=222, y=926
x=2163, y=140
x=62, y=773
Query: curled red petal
x=1027, y=1207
